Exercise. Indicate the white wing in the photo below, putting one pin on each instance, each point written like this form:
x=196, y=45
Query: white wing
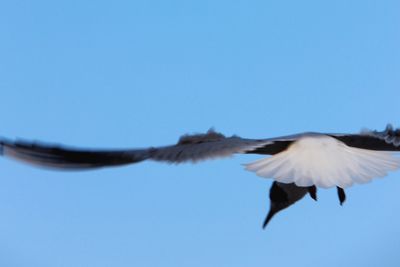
x=325, y=161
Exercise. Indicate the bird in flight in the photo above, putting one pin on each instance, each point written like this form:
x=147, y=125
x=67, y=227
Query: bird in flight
x=298, y=163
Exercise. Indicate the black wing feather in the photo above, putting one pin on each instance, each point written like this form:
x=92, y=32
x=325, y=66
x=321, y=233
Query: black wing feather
x=69, y=158
x=387, y=140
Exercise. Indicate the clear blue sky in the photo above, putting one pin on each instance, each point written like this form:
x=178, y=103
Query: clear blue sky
x=119, y=74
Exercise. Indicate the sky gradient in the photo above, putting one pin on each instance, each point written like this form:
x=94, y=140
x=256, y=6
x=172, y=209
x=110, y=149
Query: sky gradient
x=141, y=73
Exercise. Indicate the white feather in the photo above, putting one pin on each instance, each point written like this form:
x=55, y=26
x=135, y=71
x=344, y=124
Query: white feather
x=324, y=161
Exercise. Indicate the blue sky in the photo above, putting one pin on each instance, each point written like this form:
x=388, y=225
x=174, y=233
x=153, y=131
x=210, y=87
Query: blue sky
x=141, y=73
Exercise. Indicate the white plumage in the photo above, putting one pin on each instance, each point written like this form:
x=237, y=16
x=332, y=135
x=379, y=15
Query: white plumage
x=324, y=161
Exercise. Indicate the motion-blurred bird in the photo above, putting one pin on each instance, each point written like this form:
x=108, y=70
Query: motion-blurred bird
x=298, y=163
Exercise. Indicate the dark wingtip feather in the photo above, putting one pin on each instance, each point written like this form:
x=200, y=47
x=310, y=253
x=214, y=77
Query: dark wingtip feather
x=58, y=157
x=390, y=135
x=386, y=140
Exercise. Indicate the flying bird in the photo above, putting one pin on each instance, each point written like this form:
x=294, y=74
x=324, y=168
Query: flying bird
x=298, y=163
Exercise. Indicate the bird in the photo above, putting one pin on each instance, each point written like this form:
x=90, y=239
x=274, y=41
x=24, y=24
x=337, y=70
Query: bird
x=298, y=163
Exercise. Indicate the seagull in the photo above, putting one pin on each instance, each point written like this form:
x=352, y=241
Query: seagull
x=298, y=163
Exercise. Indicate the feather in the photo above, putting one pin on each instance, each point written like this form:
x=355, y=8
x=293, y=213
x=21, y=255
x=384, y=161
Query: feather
x=324, y=161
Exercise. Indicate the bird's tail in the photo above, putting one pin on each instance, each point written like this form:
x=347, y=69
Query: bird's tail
x=53, y=156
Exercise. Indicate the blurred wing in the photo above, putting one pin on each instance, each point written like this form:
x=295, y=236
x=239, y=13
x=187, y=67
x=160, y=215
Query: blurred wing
x=191, y=148
x=195, y=148
x=54, y=156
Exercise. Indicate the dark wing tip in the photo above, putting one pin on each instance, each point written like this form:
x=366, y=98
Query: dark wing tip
x=390, y=135
x=59, y=157
x=386, y=140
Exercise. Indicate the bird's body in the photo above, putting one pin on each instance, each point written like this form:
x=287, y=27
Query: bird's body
x=298, y=163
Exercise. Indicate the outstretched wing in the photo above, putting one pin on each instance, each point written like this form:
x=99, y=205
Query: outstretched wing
x=328, y=160
x=190, y=148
